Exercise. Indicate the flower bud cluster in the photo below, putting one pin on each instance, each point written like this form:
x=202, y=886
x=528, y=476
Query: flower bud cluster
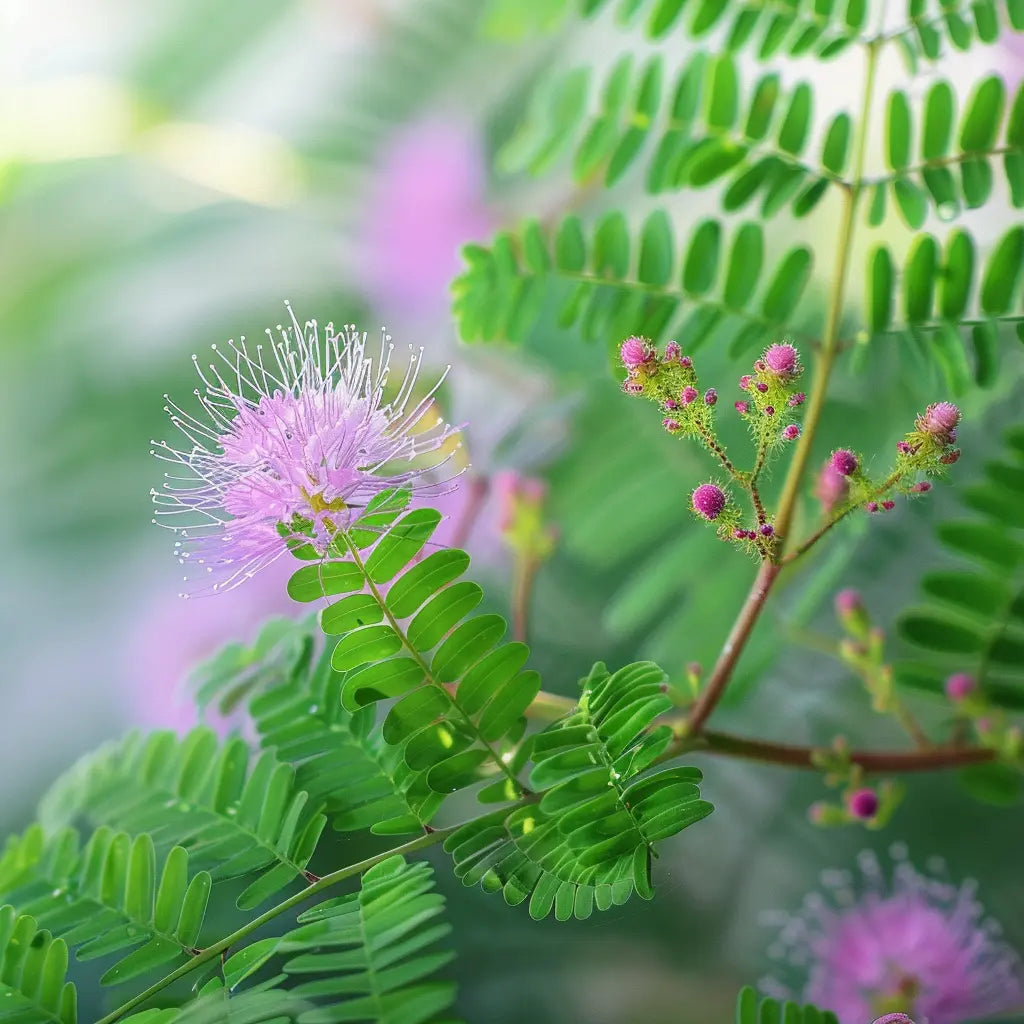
x=671, y=381
x=990, y=723
x=772, y=397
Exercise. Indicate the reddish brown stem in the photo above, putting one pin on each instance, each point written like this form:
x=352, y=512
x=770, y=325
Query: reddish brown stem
x=734, y=645
x=871, y=761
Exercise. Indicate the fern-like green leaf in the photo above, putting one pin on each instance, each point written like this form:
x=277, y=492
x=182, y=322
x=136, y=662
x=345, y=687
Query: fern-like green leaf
x=589, y=839
x=236, y=819
x=33, y=967
x=700, y=129
x=461, y=695
x=936, y=29
x=973, y=616
x=613, y=286
x=107, y=897
x=752, y=1010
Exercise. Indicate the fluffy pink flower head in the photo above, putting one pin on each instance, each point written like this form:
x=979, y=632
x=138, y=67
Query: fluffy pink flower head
x=782, y=361
x=940, y=420
x=791, y=433
x=915, y=944
x=708, y=501
x=635, y=352
x=894, y=1018
x=960, y=685
x=844, y=461
x=299, y=438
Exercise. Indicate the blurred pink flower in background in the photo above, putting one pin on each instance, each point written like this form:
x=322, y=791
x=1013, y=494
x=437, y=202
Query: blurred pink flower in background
x=916, y=944
x=425, y=204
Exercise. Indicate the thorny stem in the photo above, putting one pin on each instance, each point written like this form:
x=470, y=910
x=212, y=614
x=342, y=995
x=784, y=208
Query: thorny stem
x=719, y=452
x=214, y=951
x=767, y=574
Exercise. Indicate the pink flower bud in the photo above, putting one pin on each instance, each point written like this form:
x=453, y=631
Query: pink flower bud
x=843, y=461
x=782, y=361
x=872, y=506
x=938, y=420
x=769, y=410
x=708, y=501
x=950, y=457
x=761, y=386
x=634, y=352
x=740, y=534
x=888, y=505
x=960, y=685
x=767, y=530
x=671, y=403
x=742, y=407
x=672, y=351
x=798, y=399
x=792, y=432
x=759, y=366
x=632, y=387
x=689, y=395
x=848, y=602
x=710, y=396
x=670, y=425
x=863, y=804
x=745, y=381
x=831, y=488
x=921, y=488
x=686, y=361
x=904, y=448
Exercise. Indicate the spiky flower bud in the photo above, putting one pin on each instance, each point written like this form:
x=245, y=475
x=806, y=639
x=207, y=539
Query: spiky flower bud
x=844, y=462
x=742, y=407
x=710, y=396
x=769, y=410
x=863, y=804
x=921, y=488
x=940, y=420
x=792, y=432
x=888, y=505
x=798, y=399
x=670, y=425
x=767, y=530
x=782, y=361
x=708, y=501
x=893, y=1018
x=689, y=395
x=672, y=351
x=632, y=387
x=871, y=506
x=761, y=386
x=635, y=352
x=960, y=685
x=950, y=457
x=686, y=362
x=671, y=403
x=745, y=381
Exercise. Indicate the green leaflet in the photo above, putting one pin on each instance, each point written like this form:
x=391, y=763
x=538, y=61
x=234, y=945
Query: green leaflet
x=505, y=290
x=587, y=842
x=237, y=819
x=107, y=897
x=33, y=966
x=973, y=616
x=750, y=1009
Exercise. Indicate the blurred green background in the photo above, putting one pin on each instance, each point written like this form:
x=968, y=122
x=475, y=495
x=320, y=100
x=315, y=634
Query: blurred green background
x=171, y=172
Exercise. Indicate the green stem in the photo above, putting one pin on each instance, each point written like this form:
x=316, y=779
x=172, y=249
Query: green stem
x=830, y=340
x=423, y=666
x=326, y=882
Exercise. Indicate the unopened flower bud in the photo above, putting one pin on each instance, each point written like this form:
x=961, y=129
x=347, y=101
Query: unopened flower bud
x=634, y=352
x=863, y=804
x=670, y=425
x=689, y=395
x=844, y=461
x=686, y=361
x=921, y=488
x=938, y=420
x=960, y=685
x=672, y=351
x=893, y=1018
x=739, y=534
x=888, y=505
x=671, y=403
x=950, y=457
x=742, y=407
x=769, y=410
x=767, y=530
x=792, y=432
x=761, y=386
x=632, y=387
x=759, y=366
x=831, y=488
x=848, y=601
x=745, y=381
x=871, y=506
x=798, y=399
x=853, y=617
x=904, y=448
x=782, y=361
x=708, y=501
x=710, y=396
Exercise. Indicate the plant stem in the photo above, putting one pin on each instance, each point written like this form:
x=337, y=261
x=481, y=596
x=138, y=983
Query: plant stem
x=214, y=951
x=522, y=589
x=830, y=340
x=734, y=645
x=871, y=761
x=477, y=486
